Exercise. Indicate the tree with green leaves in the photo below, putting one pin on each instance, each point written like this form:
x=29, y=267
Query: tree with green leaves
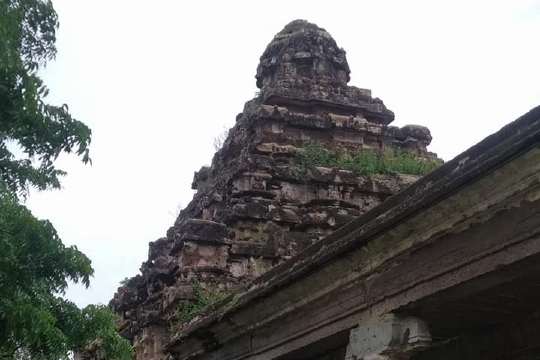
x=35, y=267
x=41, y=131
x=36, y=322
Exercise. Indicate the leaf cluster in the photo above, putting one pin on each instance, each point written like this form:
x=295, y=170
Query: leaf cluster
x=35, y=267
x=365, y=162
x=36, y=322
x=32, y=133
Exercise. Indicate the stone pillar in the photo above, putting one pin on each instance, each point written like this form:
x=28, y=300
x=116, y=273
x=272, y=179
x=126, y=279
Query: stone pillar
x=150, y=342
x=389, y=337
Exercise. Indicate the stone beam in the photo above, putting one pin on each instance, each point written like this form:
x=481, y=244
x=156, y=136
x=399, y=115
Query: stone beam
x=388, y=337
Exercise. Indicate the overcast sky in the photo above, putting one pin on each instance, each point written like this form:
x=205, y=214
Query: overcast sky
x=157, y=81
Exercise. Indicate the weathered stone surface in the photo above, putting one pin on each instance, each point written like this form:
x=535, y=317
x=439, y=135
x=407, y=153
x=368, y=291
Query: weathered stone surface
x=304, y=65
x=389, y=337
x=200, y=231
x=255, y=206
x=458, y=249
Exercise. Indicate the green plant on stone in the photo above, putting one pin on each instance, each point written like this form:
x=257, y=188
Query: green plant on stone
x=202, y=299
x=364, y=162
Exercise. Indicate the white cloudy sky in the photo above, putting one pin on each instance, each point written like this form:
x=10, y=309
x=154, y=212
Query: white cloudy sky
x=158, y=80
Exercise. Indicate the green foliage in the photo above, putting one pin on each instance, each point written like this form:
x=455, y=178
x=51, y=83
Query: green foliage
x=35, y=322
x=203, y=299
x=365, y=162
x=99, y=325
x=39, y=131
x=35, y=266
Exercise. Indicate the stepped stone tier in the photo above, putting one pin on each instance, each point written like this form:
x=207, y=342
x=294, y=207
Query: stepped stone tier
x=255, y=206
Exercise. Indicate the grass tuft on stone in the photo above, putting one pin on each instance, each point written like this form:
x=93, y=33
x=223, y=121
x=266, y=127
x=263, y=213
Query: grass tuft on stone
x=365, y=162
x=202, y=299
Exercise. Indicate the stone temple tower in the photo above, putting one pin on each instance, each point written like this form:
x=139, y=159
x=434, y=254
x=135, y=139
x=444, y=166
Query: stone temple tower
x=289, y=173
